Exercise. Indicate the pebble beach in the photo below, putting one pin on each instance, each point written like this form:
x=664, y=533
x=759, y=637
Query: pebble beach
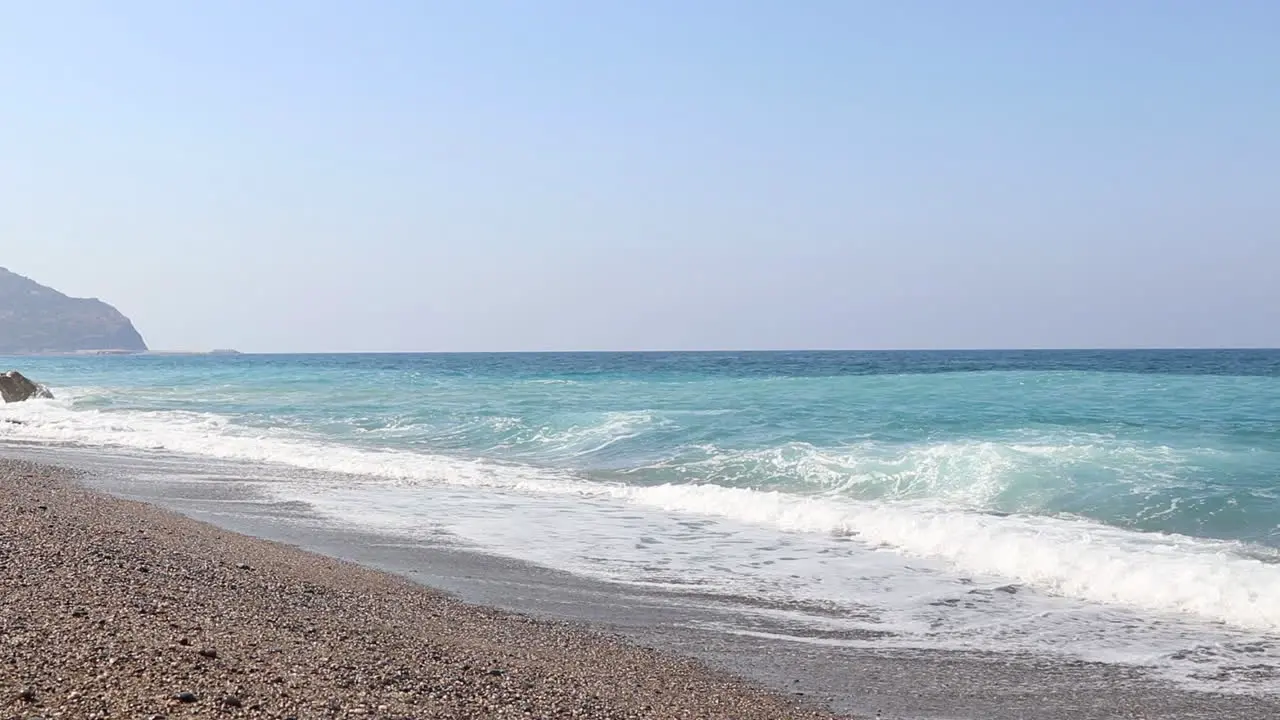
x=116, y=609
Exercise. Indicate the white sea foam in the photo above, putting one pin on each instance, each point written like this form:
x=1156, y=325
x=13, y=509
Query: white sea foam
x=977, y=474
x=1210, y=580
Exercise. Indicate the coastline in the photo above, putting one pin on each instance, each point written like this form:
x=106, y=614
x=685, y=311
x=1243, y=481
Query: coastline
x=205, y=524
x=118, y=608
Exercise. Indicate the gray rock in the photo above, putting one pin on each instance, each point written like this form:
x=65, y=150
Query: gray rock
x=15, y=387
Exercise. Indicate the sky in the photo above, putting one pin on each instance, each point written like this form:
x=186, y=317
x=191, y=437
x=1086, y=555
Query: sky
x=286, y=176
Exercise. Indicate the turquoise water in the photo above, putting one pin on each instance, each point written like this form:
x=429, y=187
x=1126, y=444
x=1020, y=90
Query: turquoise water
x=1154, y=441
x=1141, y=482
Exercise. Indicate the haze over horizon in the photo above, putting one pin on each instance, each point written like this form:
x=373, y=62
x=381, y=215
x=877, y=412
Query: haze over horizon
x=400, y=176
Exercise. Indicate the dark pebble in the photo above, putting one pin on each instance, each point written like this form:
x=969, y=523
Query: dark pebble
x=183, y=641
x=232, y=701
x=186, y=697
x=79, y=612
x=28, y=695
x=209, y=653
x=497, y=671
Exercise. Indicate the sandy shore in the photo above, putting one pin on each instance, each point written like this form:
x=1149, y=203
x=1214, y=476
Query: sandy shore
x=111, y=608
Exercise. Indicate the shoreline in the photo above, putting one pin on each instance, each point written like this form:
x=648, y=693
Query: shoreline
x=670, y=633
x=118, y=608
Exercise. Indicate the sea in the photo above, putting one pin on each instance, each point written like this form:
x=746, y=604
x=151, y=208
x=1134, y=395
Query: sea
x=1120, y=507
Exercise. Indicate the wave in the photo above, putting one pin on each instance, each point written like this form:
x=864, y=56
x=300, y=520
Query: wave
x=593, y=435
x=215, y=436
x=1018, y=475
x=1220, y=581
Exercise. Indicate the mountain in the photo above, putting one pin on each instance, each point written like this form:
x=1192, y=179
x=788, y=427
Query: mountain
x=35, y=318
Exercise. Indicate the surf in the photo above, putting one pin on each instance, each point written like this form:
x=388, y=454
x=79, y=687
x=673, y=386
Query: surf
x=1074, y=557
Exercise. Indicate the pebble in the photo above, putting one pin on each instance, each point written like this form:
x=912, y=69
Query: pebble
x=301, y=631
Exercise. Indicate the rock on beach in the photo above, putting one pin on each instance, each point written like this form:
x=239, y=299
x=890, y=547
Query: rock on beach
x=16, y=387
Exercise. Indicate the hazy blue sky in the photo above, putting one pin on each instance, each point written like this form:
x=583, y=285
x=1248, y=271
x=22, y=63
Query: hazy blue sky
x=309, y=176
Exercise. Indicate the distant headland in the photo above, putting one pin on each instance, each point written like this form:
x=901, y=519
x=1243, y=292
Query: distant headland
x=35, y=319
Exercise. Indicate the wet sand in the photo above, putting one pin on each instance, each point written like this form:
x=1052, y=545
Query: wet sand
x=113, y=608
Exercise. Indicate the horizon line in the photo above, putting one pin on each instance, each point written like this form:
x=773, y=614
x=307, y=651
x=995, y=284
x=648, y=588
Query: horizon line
x=657, y=351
